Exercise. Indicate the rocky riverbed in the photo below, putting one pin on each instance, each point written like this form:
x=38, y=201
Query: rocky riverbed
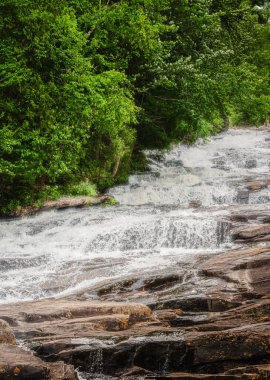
x=172, y=284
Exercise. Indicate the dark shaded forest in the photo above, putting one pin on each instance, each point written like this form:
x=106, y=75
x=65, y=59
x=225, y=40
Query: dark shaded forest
x=87, y=84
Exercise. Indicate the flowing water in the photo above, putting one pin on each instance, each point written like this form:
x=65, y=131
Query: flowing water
x=166, y=218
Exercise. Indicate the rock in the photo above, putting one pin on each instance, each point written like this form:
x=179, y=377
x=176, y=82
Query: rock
x=50, y=310
x=258, y=371
x=190, y=319
x=168, y=315
x=193, y=376
x=251, y=163
x=62, y=371
x=17, y=363
x=198, y=303
x=174, y=163
x=255, y=232
x=136, y=373
x=161, y=282
x=6, y=334
x=73, y=318
x=257, y=185
x=242, y=196
x=195, y=204
x=157, y=353
x=62, y=203
x=242, y=343
x=249, y=269
x=260, y=216
x=80, y=201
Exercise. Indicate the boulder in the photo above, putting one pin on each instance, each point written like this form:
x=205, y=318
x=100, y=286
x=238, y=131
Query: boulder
x=6, y=334
x=20, y=364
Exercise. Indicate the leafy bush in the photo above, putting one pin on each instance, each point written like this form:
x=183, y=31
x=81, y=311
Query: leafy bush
x=83, y=82
x=82, y=188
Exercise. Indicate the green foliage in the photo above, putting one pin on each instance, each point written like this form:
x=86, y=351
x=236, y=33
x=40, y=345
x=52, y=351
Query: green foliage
x=82, y=188
x=60, y=120
x=83, y=82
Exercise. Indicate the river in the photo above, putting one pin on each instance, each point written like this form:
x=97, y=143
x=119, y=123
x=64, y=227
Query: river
x=166, y=219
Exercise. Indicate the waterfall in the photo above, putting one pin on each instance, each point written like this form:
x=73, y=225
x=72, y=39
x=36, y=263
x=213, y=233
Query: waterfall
x=166, y=219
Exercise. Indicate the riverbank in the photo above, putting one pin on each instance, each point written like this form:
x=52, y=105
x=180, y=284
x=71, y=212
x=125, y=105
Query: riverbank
x=61, y=204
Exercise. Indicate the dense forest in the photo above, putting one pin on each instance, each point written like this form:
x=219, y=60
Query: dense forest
x=87, y=84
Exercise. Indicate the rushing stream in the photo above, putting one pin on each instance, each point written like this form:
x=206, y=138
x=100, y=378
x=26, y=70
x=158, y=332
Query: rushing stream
x=166, y=217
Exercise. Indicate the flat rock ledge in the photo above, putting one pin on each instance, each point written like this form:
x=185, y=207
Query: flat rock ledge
x=17, y=363
x=154, y=328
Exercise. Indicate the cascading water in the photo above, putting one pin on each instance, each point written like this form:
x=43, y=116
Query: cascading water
x=166, y=217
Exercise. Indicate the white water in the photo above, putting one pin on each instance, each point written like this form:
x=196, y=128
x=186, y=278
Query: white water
x=167, y=218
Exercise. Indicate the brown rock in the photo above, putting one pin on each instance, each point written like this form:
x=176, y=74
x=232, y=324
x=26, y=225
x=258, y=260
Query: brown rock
x=81, y=201
x=62, y=203
x=248, y=268
x=62, y=371
x=257, y=371
x=241, y=343
x=17, y=363
x=256, y=232
x=6, y=334
x=168, y=314
x=73, y=318
x=50, y=309
x=258, y=185
x=193, y=376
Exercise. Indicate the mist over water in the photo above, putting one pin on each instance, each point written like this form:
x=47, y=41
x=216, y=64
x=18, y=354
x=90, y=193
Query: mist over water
x=166, y=218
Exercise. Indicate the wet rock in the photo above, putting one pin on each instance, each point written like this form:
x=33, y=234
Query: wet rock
x=17, y=363
x=168, y=315
x=195, y=204
x=249, y=269
x=251, y=163
x=257, y=372
x=156, y=353
x=174, y=163
x=49, y=310
x=193, y=376
x=198, y=303
x=255, y=232
x=242, y=196
x=118, y=287
x=239, y=344
x=63, y=203
x=62, y=371
x=6, y=334
x=192, y=303
x=73, y=318
x=81, y=201
x=260, y=216
x=189, y=320
x=136, y=373
x=257, y=185
x=161, y=282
